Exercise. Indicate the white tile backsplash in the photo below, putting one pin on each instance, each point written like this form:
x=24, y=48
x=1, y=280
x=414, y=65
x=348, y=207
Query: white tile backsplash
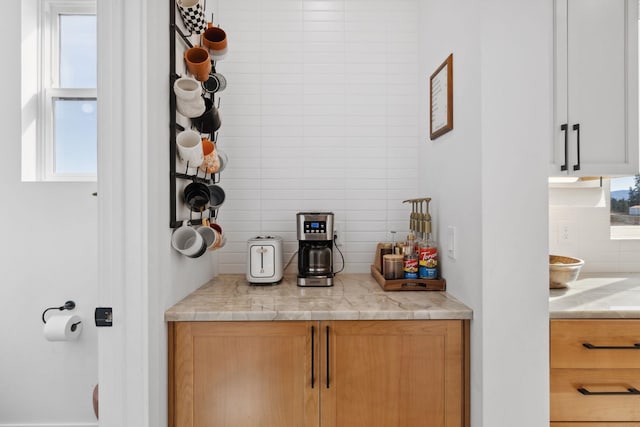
x=582, y=210
x=320, y=113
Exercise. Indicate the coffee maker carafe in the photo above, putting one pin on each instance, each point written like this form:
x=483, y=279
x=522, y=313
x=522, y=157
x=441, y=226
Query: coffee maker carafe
x=315, y=248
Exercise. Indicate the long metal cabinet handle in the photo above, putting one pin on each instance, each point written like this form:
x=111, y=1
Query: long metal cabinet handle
x=564, y=128
x=576, y=127
x=328, y=376
x=590, y=346
x=313, y=356
x=631, y=391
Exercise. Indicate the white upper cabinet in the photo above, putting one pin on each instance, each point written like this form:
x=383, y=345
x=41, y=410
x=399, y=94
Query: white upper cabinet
x=596, y=88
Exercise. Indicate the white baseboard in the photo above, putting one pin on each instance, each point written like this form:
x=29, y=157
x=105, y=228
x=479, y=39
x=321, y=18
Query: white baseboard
x=52, y=425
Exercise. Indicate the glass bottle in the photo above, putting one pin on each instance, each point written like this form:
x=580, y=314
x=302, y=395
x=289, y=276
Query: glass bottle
x=428, y=258
x=410, y=258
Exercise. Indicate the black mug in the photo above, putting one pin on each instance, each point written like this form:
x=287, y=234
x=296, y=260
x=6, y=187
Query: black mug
x=196, y=196
x=215, y=83
x=209, y=121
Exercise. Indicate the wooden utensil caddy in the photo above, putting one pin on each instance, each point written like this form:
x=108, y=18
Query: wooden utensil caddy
x=403, y=284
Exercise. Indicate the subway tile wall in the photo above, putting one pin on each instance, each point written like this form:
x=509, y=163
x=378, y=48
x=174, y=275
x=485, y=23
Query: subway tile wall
x=320, y=113
x=586, y=215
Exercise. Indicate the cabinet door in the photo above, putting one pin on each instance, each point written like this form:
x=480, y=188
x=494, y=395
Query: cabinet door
x=392, y=373
x=596, y=84
x=230, y=374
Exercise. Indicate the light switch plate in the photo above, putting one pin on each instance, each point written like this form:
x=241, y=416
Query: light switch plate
x=451, y=242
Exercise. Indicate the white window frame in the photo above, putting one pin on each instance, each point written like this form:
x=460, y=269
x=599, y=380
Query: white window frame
x=49, y=86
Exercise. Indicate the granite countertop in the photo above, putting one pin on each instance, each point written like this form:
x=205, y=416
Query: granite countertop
x=352, y=297
x=604, y=296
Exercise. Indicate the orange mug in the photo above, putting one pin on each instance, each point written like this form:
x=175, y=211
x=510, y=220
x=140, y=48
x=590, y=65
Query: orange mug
x=215, y=39
x=198, y=62
x=211, y=163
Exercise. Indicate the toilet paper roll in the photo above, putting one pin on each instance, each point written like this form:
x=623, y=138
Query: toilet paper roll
x=63, y=327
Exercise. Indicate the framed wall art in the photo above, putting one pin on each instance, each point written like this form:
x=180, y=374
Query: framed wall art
x=441, y=99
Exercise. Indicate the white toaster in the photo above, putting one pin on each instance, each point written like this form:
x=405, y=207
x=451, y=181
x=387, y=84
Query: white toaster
x=264, y=260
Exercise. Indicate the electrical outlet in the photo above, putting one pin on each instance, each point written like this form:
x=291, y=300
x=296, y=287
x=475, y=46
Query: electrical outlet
x=564, y=231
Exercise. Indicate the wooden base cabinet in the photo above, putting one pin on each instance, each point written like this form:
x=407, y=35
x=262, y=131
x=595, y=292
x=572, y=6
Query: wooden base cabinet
x=330, y=373
x=595, y=373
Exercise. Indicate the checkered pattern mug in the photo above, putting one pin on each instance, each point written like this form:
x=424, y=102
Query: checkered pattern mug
x=192, y=13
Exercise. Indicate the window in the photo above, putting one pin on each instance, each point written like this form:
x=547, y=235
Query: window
x=65, y=146
x=625, y=207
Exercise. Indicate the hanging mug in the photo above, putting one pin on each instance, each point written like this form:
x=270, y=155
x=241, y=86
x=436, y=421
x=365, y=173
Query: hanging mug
x=192, y=13
x=217, y=196
x=196, y=196
x=215, y=83
x=198, y=62
x=215, y=39
x=222, y=158
x=189, y=145
x=189, y=101
x=188, y=242
x=209, y=121
x=211, y=163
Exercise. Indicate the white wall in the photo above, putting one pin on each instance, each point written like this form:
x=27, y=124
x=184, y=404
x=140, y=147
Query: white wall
x=320, y=113
x=49, y=256
x=488, y=179
x=171, y=275
x=330, y=106
x=585, y=211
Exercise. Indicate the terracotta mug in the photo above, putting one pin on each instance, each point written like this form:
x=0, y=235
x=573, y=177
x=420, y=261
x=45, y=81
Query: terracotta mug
x=218, y=229
x=211, y=163
x=198, y=62
x=215, y=39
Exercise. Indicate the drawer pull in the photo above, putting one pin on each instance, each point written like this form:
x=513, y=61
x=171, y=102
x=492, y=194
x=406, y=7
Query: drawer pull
x=590, y=346
x=313, y=356
x=328, y=357
x=630, y=391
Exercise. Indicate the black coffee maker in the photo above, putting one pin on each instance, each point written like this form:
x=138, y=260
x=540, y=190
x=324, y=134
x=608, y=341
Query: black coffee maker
x=315, y=248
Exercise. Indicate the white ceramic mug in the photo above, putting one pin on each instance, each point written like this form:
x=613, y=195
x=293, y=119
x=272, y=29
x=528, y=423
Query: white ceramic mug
x=189, y=100
x=188, y=241
x=211, y=237
x=189, y=145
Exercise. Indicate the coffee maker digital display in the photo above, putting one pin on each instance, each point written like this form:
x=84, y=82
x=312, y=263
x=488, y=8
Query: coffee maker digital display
x=315, y=248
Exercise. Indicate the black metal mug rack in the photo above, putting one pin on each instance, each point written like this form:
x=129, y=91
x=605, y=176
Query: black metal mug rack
x=175, y=175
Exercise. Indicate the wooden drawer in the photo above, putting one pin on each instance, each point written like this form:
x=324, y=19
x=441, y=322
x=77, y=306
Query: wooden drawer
x=595, y=344
x=569, y=404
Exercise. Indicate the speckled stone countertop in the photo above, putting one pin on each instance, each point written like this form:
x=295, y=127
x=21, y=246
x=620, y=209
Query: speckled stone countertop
x=352, y=297
x=604, y=296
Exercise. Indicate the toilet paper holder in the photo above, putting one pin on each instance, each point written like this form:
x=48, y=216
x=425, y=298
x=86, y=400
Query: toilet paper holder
x=69, y=305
